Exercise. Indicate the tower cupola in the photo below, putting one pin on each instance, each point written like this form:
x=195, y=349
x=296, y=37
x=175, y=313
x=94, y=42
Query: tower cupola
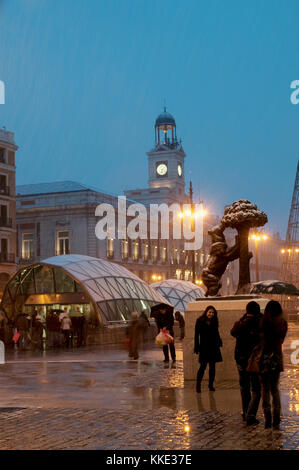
x=165, y=130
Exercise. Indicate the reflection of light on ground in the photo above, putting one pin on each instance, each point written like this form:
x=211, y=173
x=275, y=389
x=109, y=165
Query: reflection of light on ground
x=183, y=428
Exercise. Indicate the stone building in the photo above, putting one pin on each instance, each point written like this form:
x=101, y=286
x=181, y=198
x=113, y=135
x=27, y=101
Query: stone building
x=7, y=207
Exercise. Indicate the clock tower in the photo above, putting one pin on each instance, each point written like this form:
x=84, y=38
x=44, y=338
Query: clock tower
x=166, y=159
x=166, y=178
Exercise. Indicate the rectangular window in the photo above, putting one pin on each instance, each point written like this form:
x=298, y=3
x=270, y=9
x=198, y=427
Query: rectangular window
x=63, y=242
x=3, y=185
x=124, y=249
x=145, y=250
x=154, y=253
x=2, y=155
x=27, y=246
x=135, y=254
x=163, y=254
x=110, y=247
x=178, y=274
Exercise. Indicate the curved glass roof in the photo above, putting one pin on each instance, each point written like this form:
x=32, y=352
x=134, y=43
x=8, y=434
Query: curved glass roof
x=114, y=289
x=104, y=280
x=178, y=293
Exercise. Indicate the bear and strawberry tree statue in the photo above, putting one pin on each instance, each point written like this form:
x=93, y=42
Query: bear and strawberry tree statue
x=242, y=215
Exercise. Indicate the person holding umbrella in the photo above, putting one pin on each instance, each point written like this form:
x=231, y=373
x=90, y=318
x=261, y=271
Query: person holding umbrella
x=165, y=322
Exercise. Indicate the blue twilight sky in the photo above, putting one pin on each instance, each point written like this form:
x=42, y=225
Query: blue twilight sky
x=85, y=80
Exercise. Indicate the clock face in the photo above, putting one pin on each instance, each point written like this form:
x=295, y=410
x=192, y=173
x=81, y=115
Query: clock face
x=180, y=171
x=162, y=169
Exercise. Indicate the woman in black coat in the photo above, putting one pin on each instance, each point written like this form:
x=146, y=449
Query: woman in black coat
x=273, y=331
x=207, y=344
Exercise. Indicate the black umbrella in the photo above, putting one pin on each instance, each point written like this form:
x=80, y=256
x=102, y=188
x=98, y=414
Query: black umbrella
x=274, y=287
x=156, y=309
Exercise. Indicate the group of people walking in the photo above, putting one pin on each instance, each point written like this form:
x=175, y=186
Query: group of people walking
x=258, y=355
x=31, y=332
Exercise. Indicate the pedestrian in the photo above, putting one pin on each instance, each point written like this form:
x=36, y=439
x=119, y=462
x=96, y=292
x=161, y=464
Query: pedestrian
x=247, y=334
x=66, y=325
x=145, y=324
x=179, y=317
x=50, y=329
x=133, y=333
x=56, y=333
x=80, y=335
x=165, y=321
x=273, y=331
x=2, y=327
x=207, y=344
x=22, y=326
x=37, y=332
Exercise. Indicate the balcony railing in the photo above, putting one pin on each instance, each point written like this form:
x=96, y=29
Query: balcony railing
x=4, y=190
x=5, y=222
x=6, y=136
x=7, y=257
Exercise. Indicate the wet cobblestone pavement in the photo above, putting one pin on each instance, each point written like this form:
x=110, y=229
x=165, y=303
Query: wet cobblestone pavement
x=95, y=399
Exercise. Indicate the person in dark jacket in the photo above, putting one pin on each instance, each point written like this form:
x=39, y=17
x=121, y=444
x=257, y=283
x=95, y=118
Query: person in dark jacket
x=179, y=317
x=246, y=332
x=165, y=320
x=273, y=331
x=145, y=324
x=2, y=327
x=134, y=333
x=37, y=332
x=207, y=344
x=22, y=325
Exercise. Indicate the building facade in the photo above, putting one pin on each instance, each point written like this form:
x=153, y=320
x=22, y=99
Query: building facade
x=59, y=218
x=7, y=207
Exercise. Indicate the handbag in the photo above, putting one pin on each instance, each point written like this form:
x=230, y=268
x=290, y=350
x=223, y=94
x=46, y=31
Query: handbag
x=160, y=340
x=269, y=363
x=254, y=361
x=16, y=337
x=167, y=337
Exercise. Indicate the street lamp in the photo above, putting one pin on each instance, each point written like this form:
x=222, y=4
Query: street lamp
x=257, y=237
x=192, y=214
x=156, y=277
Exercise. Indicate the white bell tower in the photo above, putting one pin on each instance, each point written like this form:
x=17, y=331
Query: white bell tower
x=165, y=166
x=166, y=160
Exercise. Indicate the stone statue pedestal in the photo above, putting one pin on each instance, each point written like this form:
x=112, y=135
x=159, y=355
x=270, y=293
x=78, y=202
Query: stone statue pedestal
x=230, y=309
